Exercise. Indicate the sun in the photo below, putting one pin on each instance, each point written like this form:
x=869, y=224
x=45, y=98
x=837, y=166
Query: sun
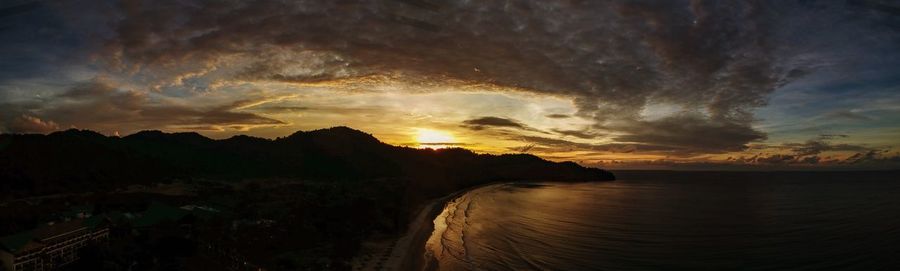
x=433, y=138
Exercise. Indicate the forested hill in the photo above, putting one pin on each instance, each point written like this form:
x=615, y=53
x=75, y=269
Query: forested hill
x=82, y=160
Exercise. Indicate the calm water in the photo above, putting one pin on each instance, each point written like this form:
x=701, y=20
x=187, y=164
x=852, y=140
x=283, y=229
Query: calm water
x=683, y=221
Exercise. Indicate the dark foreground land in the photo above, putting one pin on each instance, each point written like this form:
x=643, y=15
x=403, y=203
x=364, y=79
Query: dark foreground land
x=183, y=201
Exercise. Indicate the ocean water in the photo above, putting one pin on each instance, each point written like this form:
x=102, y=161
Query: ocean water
x=676, y=221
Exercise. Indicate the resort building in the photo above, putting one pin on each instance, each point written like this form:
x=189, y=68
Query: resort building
x=51, y=246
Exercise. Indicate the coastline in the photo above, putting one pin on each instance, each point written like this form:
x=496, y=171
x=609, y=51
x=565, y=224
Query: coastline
x=407, y=251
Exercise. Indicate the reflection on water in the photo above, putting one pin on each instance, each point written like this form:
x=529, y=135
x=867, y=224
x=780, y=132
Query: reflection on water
x=737, y=221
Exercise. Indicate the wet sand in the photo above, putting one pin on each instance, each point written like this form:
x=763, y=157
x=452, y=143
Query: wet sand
x=408, y=251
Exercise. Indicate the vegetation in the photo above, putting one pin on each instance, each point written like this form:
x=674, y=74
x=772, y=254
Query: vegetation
x=305, y=201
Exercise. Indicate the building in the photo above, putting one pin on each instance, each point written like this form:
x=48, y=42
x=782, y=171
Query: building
x=51, y=246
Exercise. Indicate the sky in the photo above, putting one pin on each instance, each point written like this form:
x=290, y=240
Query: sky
x=615, y=84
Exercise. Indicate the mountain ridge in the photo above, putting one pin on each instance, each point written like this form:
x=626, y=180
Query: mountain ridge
x=76, y=160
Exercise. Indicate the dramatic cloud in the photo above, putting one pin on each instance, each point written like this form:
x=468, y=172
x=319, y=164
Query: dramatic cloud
x=776, y=159
x=812, y=152
x=100, y=106
x=693, y=133
x=871, y=158
x=831, y=136
x=614, y=58
x=30, y=124
x=558, y=116
x=583, y=134
x=554, y=145
x=813, y=147
x=674, y=79
x=482, y=122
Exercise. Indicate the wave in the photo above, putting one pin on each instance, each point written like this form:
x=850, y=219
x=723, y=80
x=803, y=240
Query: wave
x=447, y=245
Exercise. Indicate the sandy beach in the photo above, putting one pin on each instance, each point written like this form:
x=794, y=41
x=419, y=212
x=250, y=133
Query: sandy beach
x=407, y=251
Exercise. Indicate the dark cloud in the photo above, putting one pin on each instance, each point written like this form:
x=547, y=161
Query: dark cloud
x=583, y=134
x=717, y=61
x=614, y=58
x=558, y=116
x=550, y=145
x=29, y=124
x=281, y=109
x=776, y=159
x=812, y=160
x=871, y=156
x=524, y=149
x=101, y=106
x=18, y=9
x=692, y=133
x=813, y=147
x=483, y=122
x=810, y=153
x=831, y=136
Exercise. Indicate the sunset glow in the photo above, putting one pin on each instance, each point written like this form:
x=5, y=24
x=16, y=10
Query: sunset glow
x=544, y=135
x=434, y=139
x=605, y=87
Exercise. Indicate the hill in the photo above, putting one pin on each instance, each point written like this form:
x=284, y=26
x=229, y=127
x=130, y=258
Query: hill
x=307, y=201
x=82, y=160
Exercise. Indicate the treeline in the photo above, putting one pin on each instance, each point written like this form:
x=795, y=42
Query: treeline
x=324, y=191
x=82, y=160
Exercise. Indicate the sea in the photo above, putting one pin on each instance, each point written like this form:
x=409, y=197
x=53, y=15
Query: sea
x=671, y=220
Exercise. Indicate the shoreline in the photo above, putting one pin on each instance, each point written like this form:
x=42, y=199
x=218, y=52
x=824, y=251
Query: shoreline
x=407, y=252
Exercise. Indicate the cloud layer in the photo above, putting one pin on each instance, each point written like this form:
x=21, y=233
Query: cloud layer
x=677, y=78
x=102, y=106
x=715, y=59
